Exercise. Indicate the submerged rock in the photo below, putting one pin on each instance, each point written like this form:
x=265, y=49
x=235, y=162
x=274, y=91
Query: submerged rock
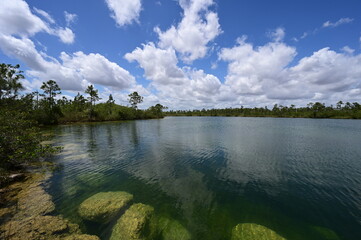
x=34, y=201
x=30, y=197
x=252, y=231
x=137, y=223
x=172, y=230
x=39, y=227
x=25, y=214
x=81, y=237
x=104, y=206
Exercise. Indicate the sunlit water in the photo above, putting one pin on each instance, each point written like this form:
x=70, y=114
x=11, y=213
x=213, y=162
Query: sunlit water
x=298, y=177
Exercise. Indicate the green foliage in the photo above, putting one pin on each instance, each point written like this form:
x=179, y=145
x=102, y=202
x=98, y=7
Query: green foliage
x=134, y=99
x=313, y=110
x=93, y=94
x=20, y=138
x=93, y=97
x=157, y=110
x=9, y=80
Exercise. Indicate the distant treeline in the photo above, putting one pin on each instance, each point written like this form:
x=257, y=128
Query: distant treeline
x=312, y=110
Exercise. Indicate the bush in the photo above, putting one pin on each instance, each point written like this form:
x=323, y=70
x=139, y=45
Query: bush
x=20, y=140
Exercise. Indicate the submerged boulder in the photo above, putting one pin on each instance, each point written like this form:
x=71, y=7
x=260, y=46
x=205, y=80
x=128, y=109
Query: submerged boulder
x=39, y=227
x=172, y=230
x=81, y=237
x=137, y=223
x=104, y=206
x=252, y=231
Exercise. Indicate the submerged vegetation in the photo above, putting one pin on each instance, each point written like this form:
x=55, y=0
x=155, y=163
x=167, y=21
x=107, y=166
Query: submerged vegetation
x=313, y=110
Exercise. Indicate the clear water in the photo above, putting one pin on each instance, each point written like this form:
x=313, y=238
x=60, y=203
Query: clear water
x=299, y=177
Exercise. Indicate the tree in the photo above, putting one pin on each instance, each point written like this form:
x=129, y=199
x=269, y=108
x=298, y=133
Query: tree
x=79, y=102
x=51, y=89
x=93, y=97
x=93, y=94
x=110, y=103
x=134, y=99
x=339, y=105
x=111, y=100
x=9, y=80
x=157, y=110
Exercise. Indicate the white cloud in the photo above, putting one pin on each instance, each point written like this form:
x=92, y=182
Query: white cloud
x=177, y=87
x=197, y=28
x=348, y=50
x=304, y=35
x=338, y=23
x=160, y=65
x=265, y=72
x=45, y=15
x=16, y=19
x=277, y=35
x=97, y=69
x=70, y=18
x=251, y=68
x=66, y=35
x=124, y=12
x=74, y=71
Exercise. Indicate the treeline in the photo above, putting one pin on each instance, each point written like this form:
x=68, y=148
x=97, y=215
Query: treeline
x=47, y=109
x=22, y=115
x=83, y=108
x=312, y=110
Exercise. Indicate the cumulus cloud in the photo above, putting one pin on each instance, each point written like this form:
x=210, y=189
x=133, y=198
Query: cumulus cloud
x=251, y=68
x=265, y=71
x=124, y=12
x=16, y=19
x=97, y=69
x=341, y=21
x=70, y=18
x=197, y=28
x=177, y=87
x=160, y=65
x=74, y=71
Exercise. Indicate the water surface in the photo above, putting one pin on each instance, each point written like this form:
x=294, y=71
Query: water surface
x=298, y=177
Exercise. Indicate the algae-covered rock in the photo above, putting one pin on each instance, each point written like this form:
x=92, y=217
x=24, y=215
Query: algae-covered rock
x=251, y=231
x=172, y=230
x=104, y=206
x=137, y=223
x=39, y=227
x=30, y=197
x=81, y=237
x=35, y=201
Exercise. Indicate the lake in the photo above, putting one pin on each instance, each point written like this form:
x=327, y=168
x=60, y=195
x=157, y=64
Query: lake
x=299, y=177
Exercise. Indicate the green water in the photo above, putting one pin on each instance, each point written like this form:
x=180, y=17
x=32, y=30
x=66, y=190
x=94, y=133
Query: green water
x=299, y=177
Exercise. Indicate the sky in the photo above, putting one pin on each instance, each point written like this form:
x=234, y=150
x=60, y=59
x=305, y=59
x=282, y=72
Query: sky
x=189, y=54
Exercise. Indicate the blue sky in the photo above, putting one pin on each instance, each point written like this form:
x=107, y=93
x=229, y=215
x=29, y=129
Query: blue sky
x=189, y=54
